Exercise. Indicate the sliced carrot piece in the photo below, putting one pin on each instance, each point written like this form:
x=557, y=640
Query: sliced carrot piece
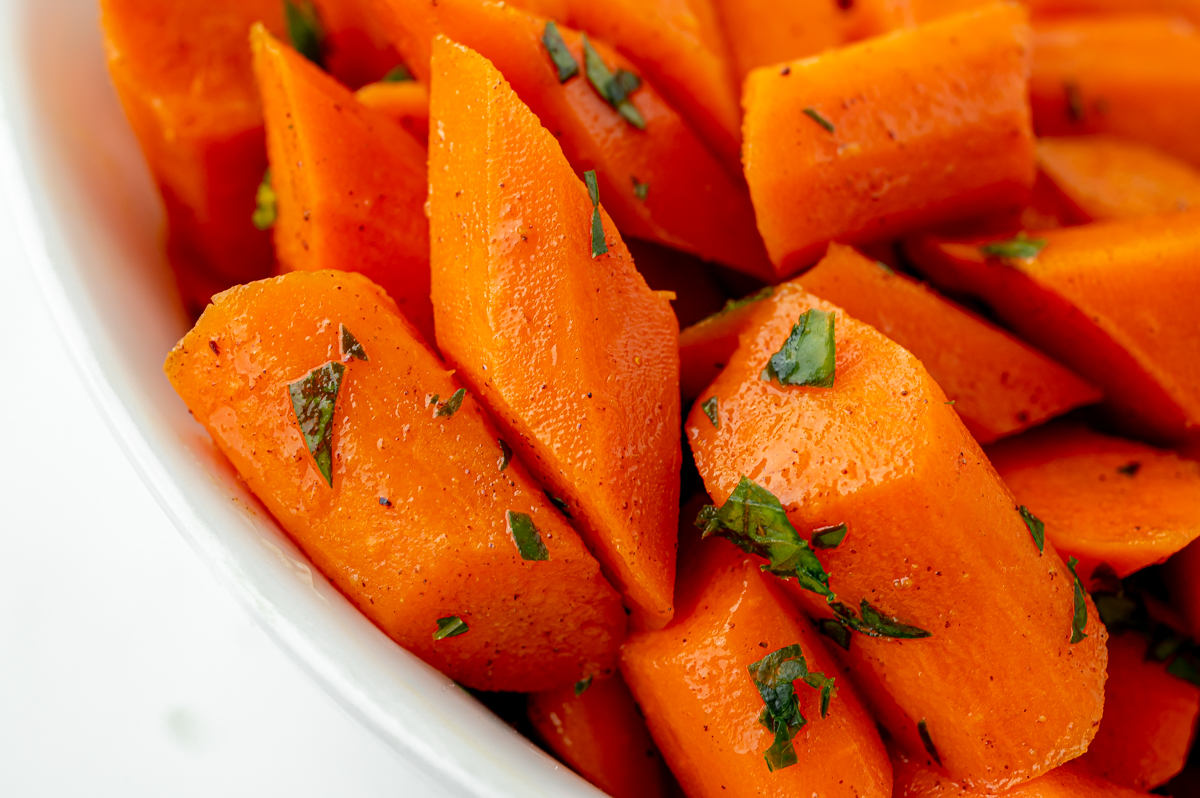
x=701, y=703
x=405, y=102
x=933, y=538
x=856, y=144
x=419, y=517
x=182, y=72
x=355, y=49
x=1072, y=780
x=706, y=346
x=351, y=184
x=661, y=184
x=1130, y=75
x=601, y=735
x=1103, y=499
x=548, y=321
x=1106, y=300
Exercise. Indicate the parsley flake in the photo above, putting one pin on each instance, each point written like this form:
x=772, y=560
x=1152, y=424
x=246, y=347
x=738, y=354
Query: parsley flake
x=809, y=355
x=582, y=685
x=774, y=676
x=829, y=537
x=305, y=30
x=451, y=626
x=614, y=89
x=835, y=631
x=266, y=204
x=1130, y=469
x=505, y=454
x=712, y=409
x=559, y=503
x=599, y=245
x=397, y=74
x=450, y=406
x=1019, y=247
x=875, y=623
x=757, y=296
x=927, y=741
x=526, y=535
x=1079, y=620
x=815, y=115
x=351, y=348
x=1035, y=526
x=314, y=397
x=564, y=62
x=640, y=189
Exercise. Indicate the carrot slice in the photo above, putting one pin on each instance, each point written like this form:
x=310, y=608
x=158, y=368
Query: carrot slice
x=182, y=72
x=405, y=102
x=856, y=144
x=1105, y=299
x=418, y=516
x=706, y=346
x=661, y=184
x=1103, y=499
x=702, y=705
x=601, y=735
x=354, y=48
x=933, y=538
x=1130, y=75
x=1072, y=780
x=540, y=308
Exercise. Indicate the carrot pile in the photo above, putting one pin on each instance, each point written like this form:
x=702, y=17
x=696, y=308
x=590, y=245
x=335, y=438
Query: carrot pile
x=506, y=311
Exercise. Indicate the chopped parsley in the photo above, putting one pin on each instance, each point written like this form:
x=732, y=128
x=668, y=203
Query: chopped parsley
x=888, y=270
x=450, y=406
x=614, y=89
x=815, y=115
x=314, y=397
x=1124, y=611
x=1019, y=247
x=559, y=503
x=640, y=189
x=829, y=537
x=712, y=409
x=305, y=30
x=505, y=454
x=564, y=62
x=757, y=296
x=875, y=623
x=351, y=348
x=397, y=74
x=1130, y=469
x=835, y=631
x=266, y=204
x=1079, y=620
x=1035, y=526
x=927, y=741
x=774, y=676
x=451, y=626
x=809, y=355
x=599, y=245
x=582, y=685
x=528, y=539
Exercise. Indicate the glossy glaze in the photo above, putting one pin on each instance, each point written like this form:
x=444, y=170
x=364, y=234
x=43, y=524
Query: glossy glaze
x=405, y=102
x=914, y=780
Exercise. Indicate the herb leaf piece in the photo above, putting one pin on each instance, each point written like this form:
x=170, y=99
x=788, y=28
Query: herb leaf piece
x=815, y=115
x=582, y=685
x=451, y=626
x=506, y=454
x=614, y=89
x=755, y=521
x=450, y=406
x=564, y=62
x=266, y=204
x=927, y=741
x=809, y=355
x=305, y=30
x=640, y=189
x=559, y=504
x=599, y=245
x=829, y=537
x=1019, y=247
x=314, y=397
x=835, y=631
x=774, y=676
x=1079, y=619
x=397, y=74
x=712, y=409
x=528, y=539
x=1130, y=469
x=757, y=296
x=875, y=623
x=351, y=348
x=1035, y=526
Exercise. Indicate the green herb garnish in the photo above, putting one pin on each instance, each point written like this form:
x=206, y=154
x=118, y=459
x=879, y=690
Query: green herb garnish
x=712, y=409
x=1019, y=247
x=351, y=348
x=757, y=296
x=829, y=537
x=835, y=631
x=886, y=269
x=266, y=204
x=875, y=623
x=528, y=539
x=305, y=30
x=566, y=64
x=505, y=454
x=1035, y=526
x=582, y=685
x=559, y=503
x=809, y=355
x=640, y=189
x=599, y=245
x=450, y=406
x=314, y=397
x=815, y=116
x=774, y=676
x=397, y=74
x=615, y=89
x=927, y=741
x=1079, y=620
x=1130, y=469
x=451, y=626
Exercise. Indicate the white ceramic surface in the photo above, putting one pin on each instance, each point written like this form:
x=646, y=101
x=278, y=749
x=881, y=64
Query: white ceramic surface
x=89, y=222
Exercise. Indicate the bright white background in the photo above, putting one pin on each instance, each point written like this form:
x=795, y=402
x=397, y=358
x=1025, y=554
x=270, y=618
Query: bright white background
x=125, y=669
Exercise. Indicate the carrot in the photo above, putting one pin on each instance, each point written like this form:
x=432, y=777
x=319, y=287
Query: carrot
x=857, y=144
x=706, y=346
x=405, y=102
x=1103, y=499
x=353, y=48
x=1149, y=718
x=1182, y=574
x=1104, y=177
x=182, y=72
x=1187, y=9
x=406, y=499
x=1072, y=780
x=1105, y=299
x=1048, y=208
x=600, y=734
x=935, y=554
x=697, y=292
x=1129, y=75
x=703, y=705
x=661, y=184
x=581, y=373
x=350, y=183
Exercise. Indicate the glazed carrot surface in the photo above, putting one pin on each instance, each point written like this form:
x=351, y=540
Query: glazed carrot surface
x=405, y=102
x=1072, y=780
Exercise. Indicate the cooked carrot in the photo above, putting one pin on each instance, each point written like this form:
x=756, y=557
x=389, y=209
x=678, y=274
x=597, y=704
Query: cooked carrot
x=351, y=184
x=661, y=184
x=601, y=735
x=927, y=125
x=354, y=48
x=932, y=538
x=541, y=309
x=1072, y=780
x=1103, y=499
x=415, y=511
x=1182, y=573
x=1110, y=300
x=182, y=71
x=405, y=102
x=1149, y=718
x=1130, y=75
x=697, y=292
x=703, y=706
x=706, y=346
x=1105, y=177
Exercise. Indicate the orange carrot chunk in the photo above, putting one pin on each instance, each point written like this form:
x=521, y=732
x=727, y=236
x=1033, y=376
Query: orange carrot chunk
x=921, y=546
x=659, y=181
x=1110, y=300
x=908, y=130
x=389, y=477
x=916, y=779
x=182, y=72
x=541, y=310
x=596, y=728
x=699, y=680
x=405, y=102
x=1134, y=75
x=1103, y=499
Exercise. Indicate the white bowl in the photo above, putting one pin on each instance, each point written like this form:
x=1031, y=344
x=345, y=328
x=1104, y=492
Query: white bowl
x=90, y=222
